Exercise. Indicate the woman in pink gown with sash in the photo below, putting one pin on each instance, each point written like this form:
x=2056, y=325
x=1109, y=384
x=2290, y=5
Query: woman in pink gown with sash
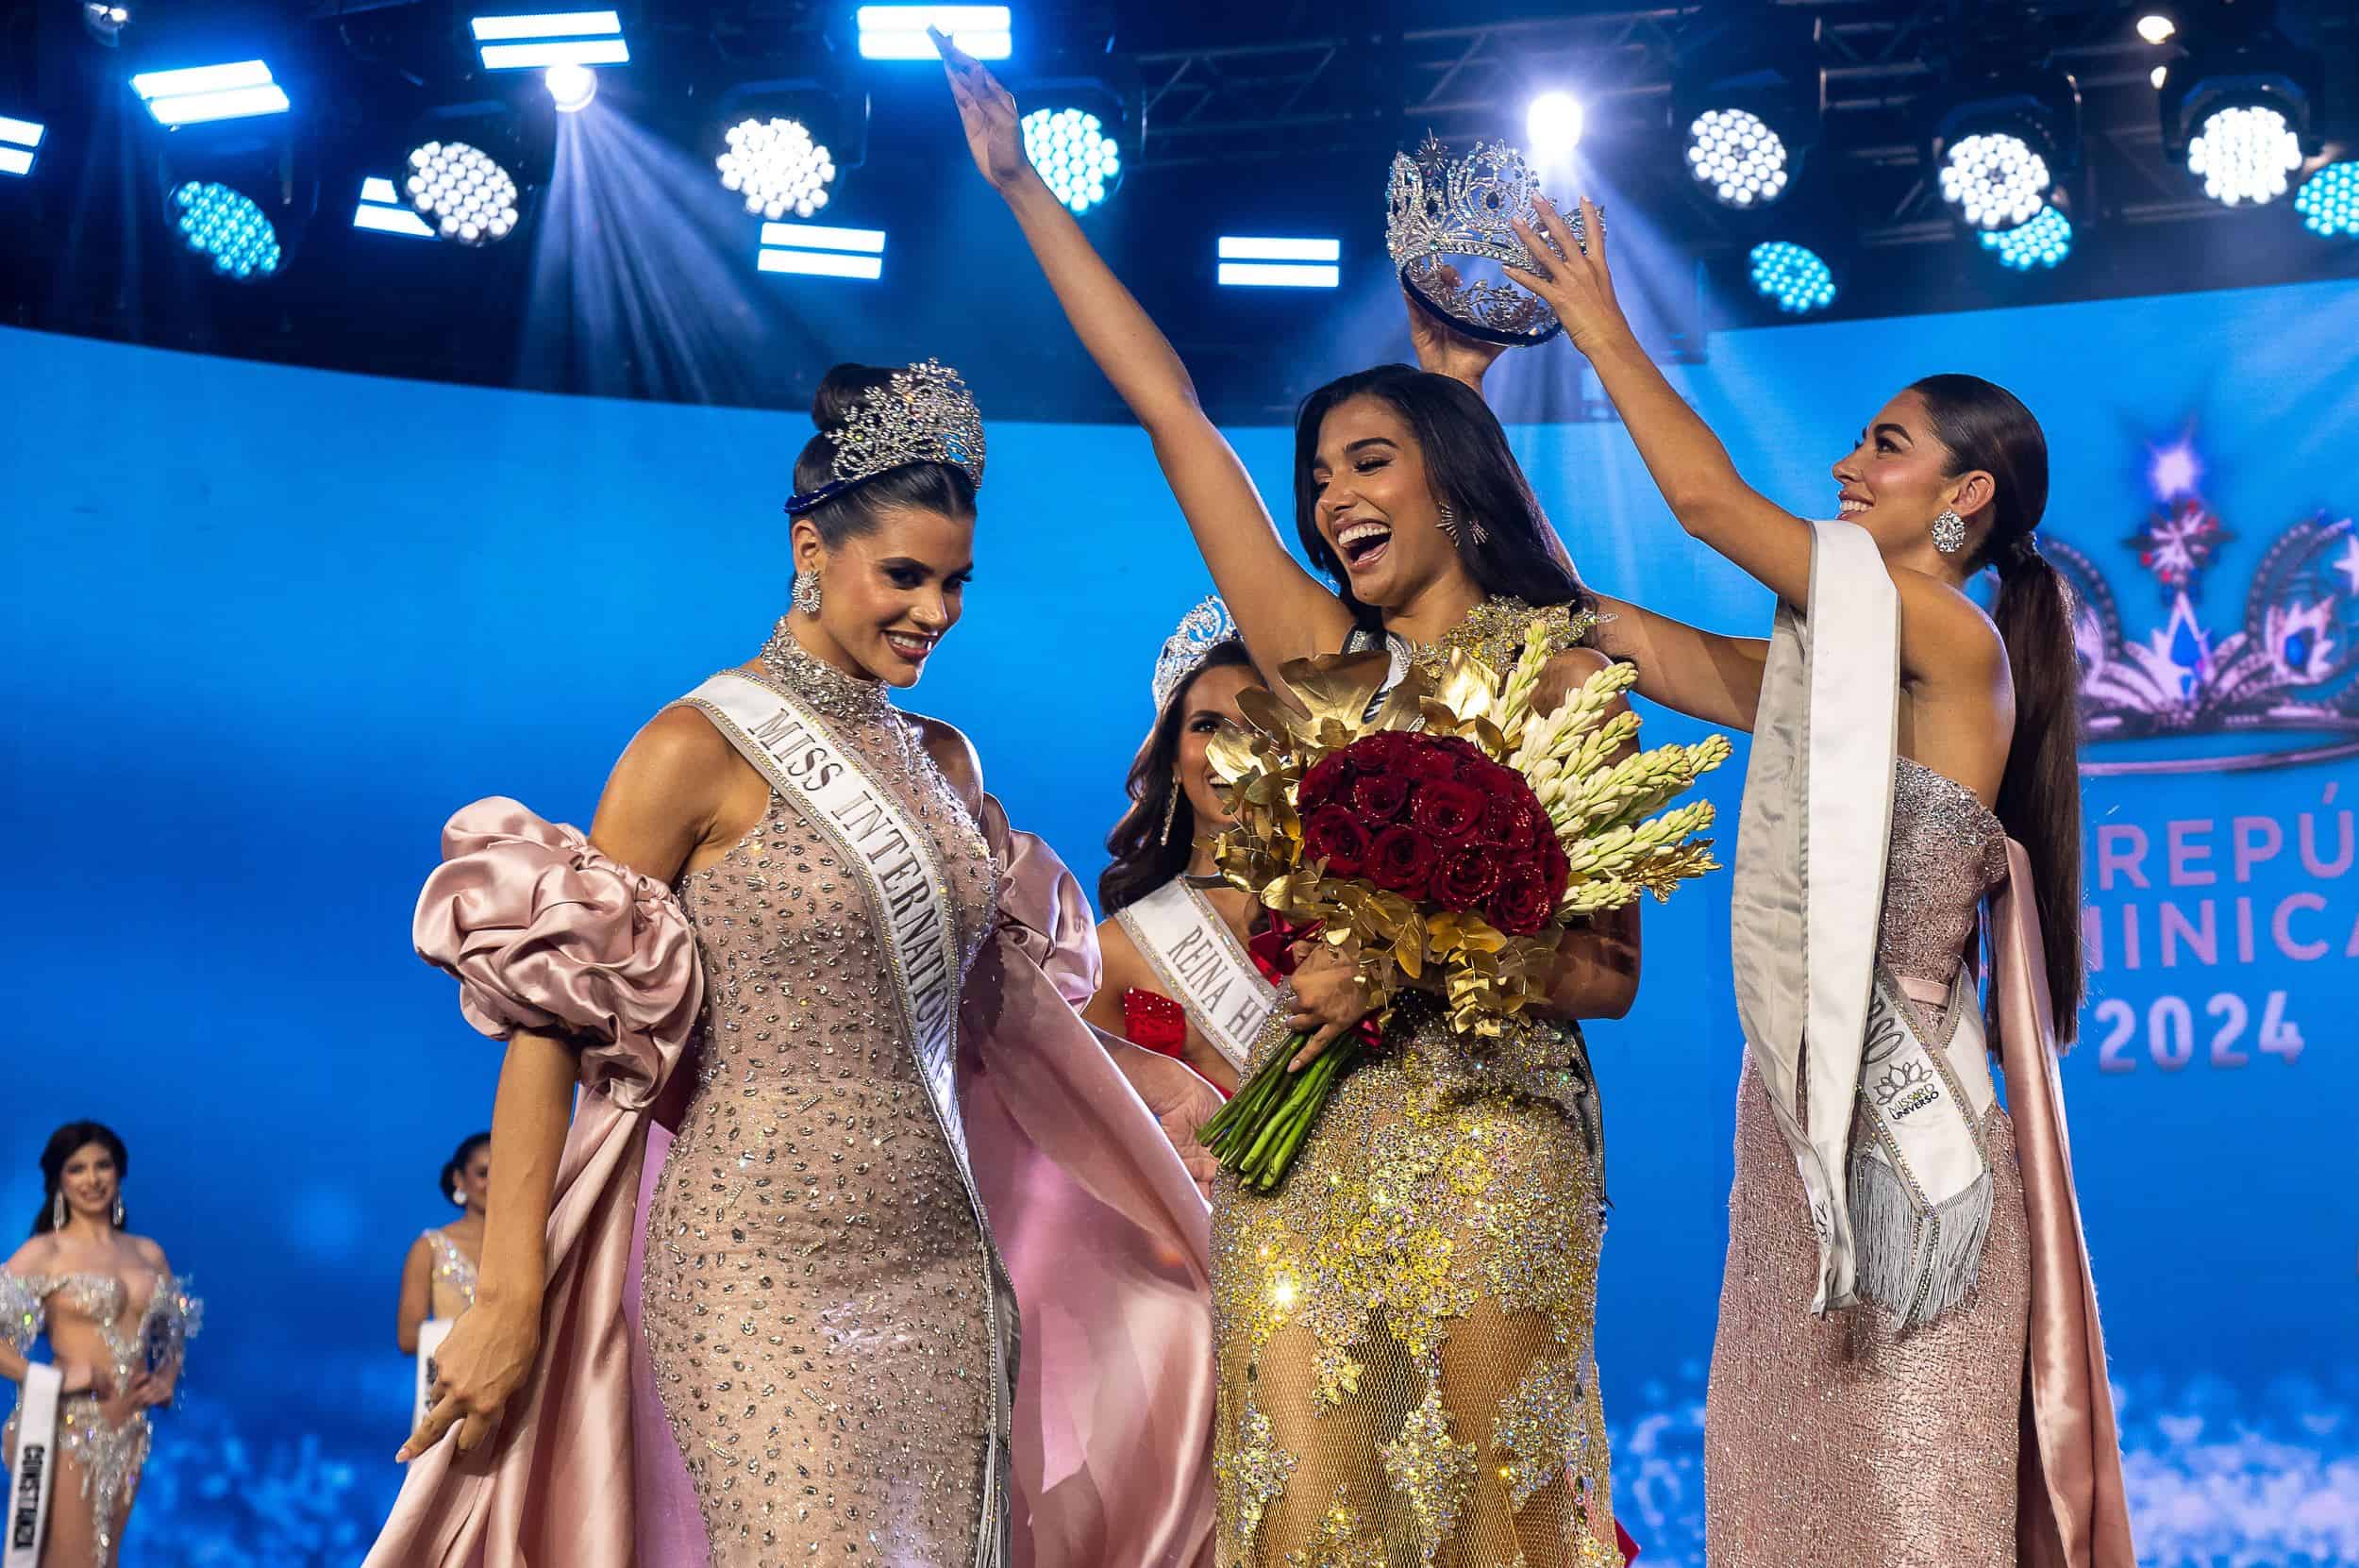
x=1909, y=1372
x=920, y=1280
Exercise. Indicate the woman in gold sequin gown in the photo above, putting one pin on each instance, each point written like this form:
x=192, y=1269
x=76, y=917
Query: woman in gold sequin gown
x=1404, y=1328
x=99, y=1294
x=827, y=1315
x=1984, y=1436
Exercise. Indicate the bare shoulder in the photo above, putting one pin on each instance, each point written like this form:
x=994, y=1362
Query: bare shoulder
x=677, y=746
x=1119, y=958
x=34, y=1256
x=1939, y=622
x=150, y=1254
x=954, y=753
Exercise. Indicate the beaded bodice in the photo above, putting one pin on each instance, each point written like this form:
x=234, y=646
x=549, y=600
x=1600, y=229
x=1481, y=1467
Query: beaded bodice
x=453, y=1269
x=1947, y=851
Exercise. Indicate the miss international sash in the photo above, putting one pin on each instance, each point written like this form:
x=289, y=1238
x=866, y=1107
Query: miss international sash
x=894, y=858
x=1202, y=966
x=34, y=1475
x=1900, y=1214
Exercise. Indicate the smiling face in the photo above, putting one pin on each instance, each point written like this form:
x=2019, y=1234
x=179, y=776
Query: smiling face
x=1373, y=505
x=1895, y=481
x=888, y=596
x=89, y=1181
x=1210, y=698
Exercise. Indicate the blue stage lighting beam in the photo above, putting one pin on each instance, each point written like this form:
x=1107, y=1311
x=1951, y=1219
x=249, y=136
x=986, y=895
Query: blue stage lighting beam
x=550, y=38
x=898, y=32
x=20, y=141
x=203, y=92
x=1249, y=262
x=381, y=209
x=816, y=250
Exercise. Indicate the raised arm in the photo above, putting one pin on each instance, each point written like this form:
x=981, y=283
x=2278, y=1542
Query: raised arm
x=1282, y=611
x=660, y=804
x=1706, y=675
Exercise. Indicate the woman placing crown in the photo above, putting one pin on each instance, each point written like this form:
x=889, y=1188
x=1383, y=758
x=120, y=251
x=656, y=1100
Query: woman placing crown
x=900, y=1153
x=1190, y=970
x=1404, y=1325
x=1909, y=1370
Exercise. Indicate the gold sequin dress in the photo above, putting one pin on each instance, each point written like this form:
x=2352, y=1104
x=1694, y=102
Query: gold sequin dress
x=818, y=1287
x=1834, y=1441
x=1404, y=1328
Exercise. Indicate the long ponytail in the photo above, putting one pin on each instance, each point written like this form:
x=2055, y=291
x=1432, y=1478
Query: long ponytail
x=1986, y=426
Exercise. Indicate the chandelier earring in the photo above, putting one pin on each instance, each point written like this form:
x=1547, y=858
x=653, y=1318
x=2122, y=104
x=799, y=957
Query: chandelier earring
x=1949, y=532
x=1171, y=810
x=56, y=1211
x=1448, y=525
x=806, y=591
x=117, y=1210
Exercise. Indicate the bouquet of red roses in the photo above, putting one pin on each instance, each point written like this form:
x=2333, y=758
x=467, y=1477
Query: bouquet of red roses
x=1452, y=832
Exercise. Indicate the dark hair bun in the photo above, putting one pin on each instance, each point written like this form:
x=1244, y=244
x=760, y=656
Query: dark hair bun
x=841, y=391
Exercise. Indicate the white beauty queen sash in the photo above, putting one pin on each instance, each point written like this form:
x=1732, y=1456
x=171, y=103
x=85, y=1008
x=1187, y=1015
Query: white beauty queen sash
x=431, y=1333
x=33, y=1475
x=804, y=761
x=1900, y=1215
x=1202, y=966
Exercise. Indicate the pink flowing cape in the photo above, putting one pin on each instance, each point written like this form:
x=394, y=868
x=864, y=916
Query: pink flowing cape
x=1104, y=1235
x=2071, y=1511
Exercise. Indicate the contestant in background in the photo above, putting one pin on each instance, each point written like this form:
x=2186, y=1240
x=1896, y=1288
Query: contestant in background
x=1908, y=1339
x=437, y=1278
x=1181, y=975
x=895, y=1131
x=1407, y=1367
x=117, y=1318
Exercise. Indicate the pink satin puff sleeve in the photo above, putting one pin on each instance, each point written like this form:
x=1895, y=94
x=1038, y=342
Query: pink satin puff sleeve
x=547, y=933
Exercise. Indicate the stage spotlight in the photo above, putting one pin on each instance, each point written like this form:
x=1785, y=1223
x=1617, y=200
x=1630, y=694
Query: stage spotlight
x=777, y=167
x=1075, y=157
x=813, y=250
x=2160, y=75
x=1995, y=181
x=2329, y=202
x=1553, y=125
x=206, y=92
x=1747, y=102
x=381, y=211
x=898, y=32
x=2245, y=153
x=555, y=37
x=2156, y=28
x=2240, y=108
x=1733, y=154
x=20, y=143
x=105, y=22
x=1249, y=262
x=462, y=191
x=2044, y=241
x=571, y=86
x=1793, y=278
x=227, y=229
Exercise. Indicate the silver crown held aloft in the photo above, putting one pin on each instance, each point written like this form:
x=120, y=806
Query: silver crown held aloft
x=1442, y=210
x=1200, y=630
x=924, y=415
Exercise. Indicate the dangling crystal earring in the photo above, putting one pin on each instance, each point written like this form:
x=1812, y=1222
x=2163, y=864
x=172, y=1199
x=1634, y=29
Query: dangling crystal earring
x=1448, y=525
x=117, y=1210
x=458, y=1197
x=1949, y=532
x=1171, y=810
x=56, y=1211
x=1482, y=534
x=806, y=591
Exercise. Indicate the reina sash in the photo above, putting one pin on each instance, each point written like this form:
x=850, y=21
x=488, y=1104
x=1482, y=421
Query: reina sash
x=1202, y=966
x=894, y=859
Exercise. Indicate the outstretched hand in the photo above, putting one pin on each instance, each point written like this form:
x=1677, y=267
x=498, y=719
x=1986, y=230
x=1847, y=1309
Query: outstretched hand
x=994, y=132
x=1574, y=279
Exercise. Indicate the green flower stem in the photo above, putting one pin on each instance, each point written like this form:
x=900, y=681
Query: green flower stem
x=1257, y=1134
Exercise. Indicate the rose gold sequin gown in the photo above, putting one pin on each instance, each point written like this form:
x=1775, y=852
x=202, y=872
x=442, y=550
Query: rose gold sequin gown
x=818, y=1286
x=1831, y=1440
